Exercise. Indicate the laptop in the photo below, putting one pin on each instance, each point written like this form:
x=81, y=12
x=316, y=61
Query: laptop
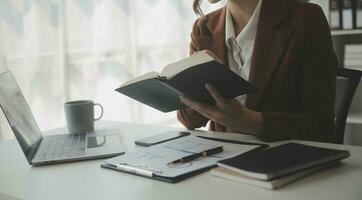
x=39, y=149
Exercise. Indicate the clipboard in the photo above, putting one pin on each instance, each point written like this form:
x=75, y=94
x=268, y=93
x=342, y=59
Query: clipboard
x=186, y=175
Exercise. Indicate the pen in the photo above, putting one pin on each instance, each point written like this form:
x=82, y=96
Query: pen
x=136, y=169
x=197, y=155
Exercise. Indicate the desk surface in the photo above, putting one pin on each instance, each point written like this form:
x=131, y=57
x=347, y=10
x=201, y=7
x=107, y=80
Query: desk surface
x=86, y=180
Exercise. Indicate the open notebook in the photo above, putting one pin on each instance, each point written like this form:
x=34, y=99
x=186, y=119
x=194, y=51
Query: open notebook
x=187, y=77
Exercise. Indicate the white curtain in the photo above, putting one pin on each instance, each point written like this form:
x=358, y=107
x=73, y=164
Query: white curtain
x=61, y=50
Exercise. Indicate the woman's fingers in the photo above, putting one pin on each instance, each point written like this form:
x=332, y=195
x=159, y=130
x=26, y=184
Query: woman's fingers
x=210, y=112
x=215, y=94
x=197, y=106
x=210, y=53
x=193, y=104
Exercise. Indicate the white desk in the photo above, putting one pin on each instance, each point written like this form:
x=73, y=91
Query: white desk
x=86, y=180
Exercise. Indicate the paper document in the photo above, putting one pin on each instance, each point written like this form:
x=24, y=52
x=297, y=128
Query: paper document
x=156, y=157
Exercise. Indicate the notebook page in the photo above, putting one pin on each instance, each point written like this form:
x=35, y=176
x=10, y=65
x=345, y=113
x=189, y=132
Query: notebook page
x=173, y=69
x=146, y=76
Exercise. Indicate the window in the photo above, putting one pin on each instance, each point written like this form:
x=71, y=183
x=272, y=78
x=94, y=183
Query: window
x=61, y=50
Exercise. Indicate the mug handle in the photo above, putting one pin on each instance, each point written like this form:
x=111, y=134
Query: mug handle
x=98, y=118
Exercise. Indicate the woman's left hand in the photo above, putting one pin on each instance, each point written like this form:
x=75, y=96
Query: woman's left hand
x=227, y=112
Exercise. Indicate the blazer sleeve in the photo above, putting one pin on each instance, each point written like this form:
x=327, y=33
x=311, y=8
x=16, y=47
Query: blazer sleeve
x=188, y=117
x=317, y=82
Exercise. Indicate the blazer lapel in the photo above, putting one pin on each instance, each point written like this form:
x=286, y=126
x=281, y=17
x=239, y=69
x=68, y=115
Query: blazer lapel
x=270, y=46
x=271, y=43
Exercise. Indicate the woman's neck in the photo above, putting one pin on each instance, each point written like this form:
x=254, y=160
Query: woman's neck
x=241, y=12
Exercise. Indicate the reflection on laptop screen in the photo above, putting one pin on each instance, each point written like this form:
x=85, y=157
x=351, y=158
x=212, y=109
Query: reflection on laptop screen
x=18, y=114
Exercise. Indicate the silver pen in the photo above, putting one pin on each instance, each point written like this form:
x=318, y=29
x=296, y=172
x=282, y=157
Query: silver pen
x=136, y=169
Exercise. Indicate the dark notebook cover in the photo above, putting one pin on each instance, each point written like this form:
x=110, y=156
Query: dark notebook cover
x=164, y=94
x=282, y=160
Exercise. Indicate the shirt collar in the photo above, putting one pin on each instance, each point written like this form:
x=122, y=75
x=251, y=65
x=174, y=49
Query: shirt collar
x=249, y=30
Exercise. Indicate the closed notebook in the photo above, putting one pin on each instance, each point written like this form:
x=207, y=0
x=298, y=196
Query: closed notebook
x=274, y=184
x=282, y=160
x=186, y=77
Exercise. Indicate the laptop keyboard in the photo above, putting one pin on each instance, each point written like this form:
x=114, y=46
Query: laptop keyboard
x=62, y=146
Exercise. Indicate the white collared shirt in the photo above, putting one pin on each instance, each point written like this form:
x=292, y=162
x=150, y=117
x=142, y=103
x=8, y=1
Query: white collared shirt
x=240, y=48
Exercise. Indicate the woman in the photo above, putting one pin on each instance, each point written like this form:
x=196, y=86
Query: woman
x=284, y=48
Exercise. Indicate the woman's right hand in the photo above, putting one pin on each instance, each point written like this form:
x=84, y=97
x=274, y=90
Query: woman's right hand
x=210, y=53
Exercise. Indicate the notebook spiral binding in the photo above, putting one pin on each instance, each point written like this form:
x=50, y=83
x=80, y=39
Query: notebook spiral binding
x=308, y=165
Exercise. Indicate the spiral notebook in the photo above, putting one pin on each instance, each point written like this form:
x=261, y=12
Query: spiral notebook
x=282, y=160
x=274, y=184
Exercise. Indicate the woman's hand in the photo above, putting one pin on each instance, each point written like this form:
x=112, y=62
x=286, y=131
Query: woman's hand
x=229, y=113
x=210, y=53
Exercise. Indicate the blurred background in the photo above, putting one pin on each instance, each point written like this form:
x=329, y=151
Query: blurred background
x=62, y=50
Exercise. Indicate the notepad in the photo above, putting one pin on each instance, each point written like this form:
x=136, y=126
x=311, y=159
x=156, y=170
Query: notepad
x=282, y=160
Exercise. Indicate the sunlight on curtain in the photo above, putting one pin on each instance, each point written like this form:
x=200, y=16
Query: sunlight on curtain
x=61, y=50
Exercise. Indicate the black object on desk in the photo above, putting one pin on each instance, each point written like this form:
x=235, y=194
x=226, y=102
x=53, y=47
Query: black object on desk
x=164, y=137
x=282, y=160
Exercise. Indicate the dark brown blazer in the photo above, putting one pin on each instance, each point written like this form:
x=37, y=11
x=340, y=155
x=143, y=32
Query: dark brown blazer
x=293, y=68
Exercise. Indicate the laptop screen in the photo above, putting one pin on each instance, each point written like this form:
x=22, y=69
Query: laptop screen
x=19, y=116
